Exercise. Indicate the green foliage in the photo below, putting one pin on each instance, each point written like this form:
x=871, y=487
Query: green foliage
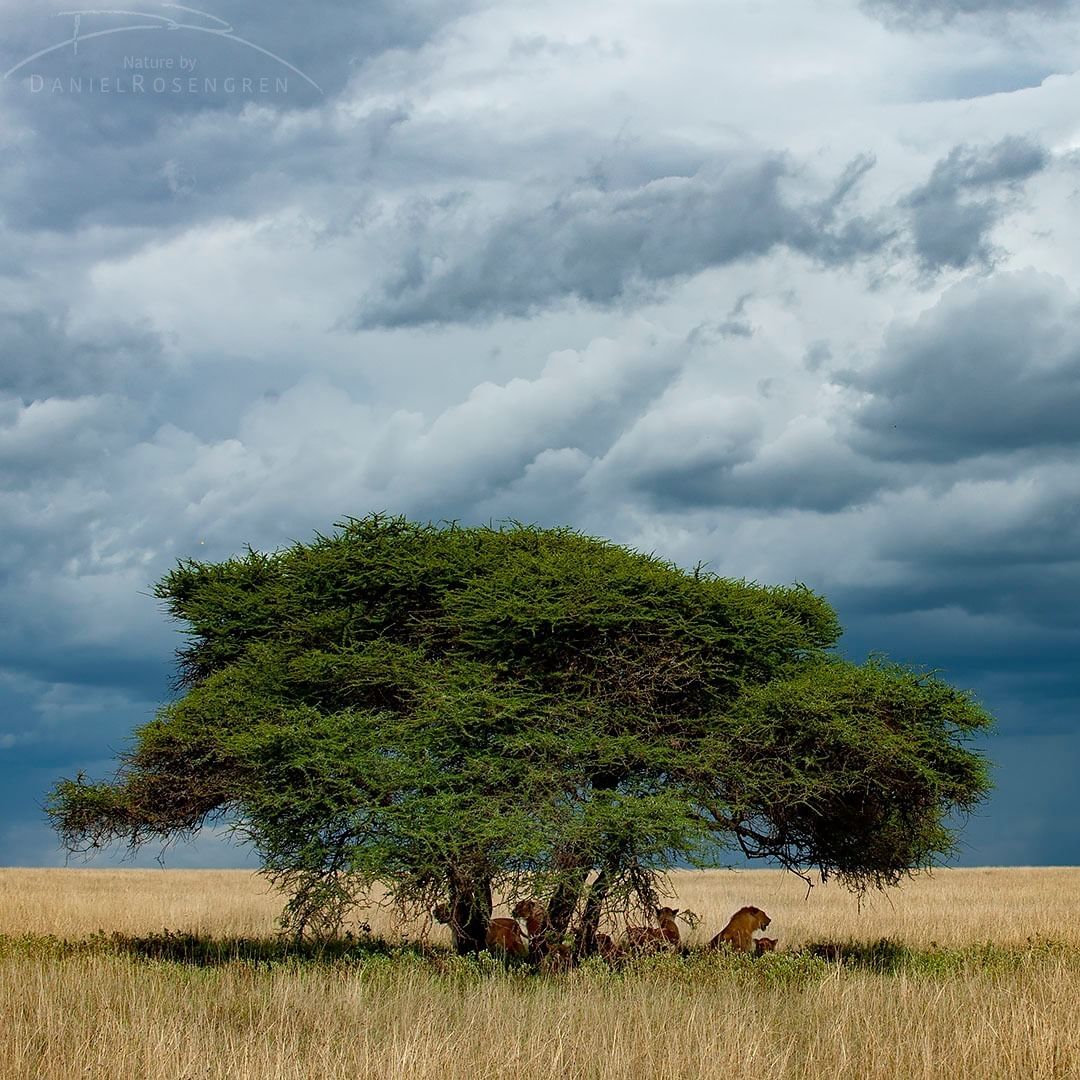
x=375, y=957
x=444, y=712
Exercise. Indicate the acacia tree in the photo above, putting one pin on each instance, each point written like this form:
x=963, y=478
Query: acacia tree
x=449, y=712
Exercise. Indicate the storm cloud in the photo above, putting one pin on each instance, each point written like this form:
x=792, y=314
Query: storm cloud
x=602, y=246
x=163, y=115
x=725, y=285
x=931, y=12
x=40, y=356
x=992, y=368
x=954, y=212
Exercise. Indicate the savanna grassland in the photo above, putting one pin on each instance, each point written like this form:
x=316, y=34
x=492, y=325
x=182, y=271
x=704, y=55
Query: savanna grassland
x=169, y=974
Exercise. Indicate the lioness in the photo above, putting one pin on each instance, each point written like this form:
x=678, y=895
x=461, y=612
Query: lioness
x=535, y=916
x=739, y=931
x=647, y=937
x=504, y=936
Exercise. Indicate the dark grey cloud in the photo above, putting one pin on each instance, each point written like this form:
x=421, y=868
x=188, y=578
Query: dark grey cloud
x=736, y=323
x=993, y=367
x=1031, y=819
x=683, y=455
x=316, y=54
x=172, y=173
x=702, y=452
x=980, y=579
x=531, y=46
x=984, y=534
x=822, y=486
x=817, y=355
x=57, y=436
x=40, y=356
x=96, y=503
x=915, y=13
x=954, y=212
x=109, y=136
x=982, y=632
x=1007, y=584
x=601, y=246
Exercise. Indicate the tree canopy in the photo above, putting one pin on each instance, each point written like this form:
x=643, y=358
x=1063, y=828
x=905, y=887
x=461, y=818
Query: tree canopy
x=447, y=713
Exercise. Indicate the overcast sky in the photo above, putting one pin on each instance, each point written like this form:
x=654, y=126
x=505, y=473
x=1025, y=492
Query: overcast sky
x=781, y=286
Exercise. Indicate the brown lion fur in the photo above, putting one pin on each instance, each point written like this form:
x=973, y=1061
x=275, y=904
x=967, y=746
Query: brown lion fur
x=557, y=958
x=648, y=937
x=606, y=947
x=764, y=945
x=505, y=936
x=739, y=932
x=535, y=915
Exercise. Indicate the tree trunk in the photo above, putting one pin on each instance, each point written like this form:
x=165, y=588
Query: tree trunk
x=585, y=938
x=470, y=912
x=564, y=900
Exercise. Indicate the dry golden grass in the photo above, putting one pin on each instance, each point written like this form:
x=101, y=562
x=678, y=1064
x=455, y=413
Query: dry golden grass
x=1010, y=1011
x=952, y=907
x=73, y=903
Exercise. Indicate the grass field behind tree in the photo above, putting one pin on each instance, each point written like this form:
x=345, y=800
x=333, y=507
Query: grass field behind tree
x=969, y=973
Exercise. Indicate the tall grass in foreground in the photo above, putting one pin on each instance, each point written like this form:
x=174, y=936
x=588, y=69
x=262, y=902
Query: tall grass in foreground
x=129, y=1006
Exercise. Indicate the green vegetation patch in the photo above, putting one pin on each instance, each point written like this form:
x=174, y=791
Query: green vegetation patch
x=695, y=967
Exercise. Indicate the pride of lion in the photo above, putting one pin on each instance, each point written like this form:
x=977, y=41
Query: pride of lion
x=528, y=932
